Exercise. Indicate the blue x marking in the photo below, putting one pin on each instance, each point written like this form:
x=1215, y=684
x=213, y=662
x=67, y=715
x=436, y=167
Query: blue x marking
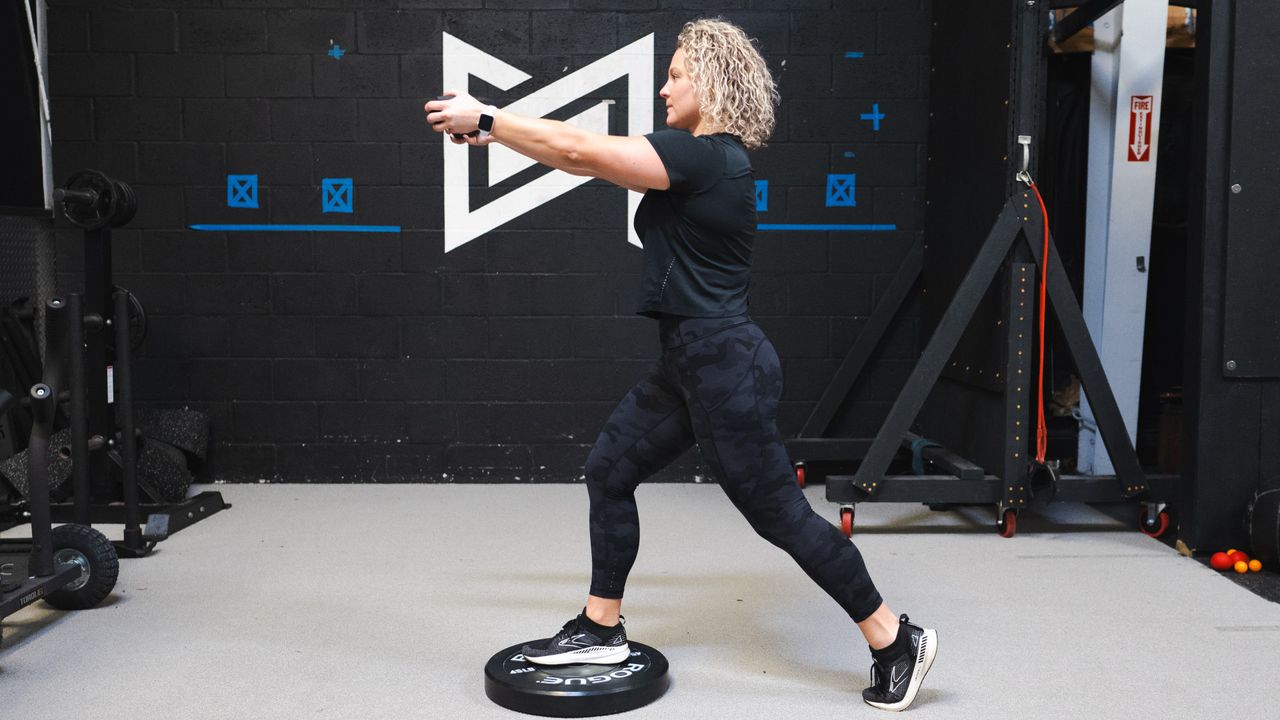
x=840, y=190
x=242, y=191
x=337, y=194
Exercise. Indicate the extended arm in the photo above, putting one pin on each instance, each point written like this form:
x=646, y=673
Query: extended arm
x=627, y=161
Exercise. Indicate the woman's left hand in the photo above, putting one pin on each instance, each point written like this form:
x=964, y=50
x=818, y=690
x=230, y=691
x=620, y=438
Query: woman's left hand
x=457, y=116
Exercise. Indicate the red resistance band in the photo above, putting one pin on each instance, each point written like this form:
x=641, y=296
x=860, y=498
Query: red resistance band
x=1042, y=439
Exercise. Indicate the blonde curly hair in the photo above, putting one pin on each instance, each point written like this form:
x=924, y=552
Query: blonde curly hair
x=736, y=92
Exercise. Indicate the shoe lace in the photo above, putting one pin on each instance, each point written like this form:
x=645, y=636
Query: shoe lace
x=569, y=630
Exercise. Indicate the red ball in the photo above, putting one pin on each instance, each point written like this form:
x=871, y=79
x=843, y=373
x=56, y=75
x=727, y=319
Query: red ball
x=1239, y=556
x=1220, y=561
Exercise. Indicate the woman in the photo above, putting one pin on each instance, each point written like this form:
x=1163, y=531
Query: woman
x=718, y=380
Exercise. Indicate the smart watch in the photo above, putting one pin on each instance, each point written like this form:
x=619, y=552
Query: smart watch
x=486, y=120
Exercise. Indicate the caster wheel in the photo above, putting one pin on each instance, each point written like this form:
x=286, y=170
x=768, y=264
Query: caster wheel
x=98, y=562
x=1153, y=529
x=846, y=521
x=1008, y=524
x=800, y=475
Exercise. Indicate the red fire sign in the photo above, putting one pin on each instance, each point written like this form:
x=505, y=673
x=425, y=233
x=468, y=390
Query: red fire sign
x=1140, y=110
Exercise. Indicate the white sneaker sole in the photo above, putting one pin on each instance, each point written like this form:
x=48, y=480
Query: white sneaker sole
x=928, y=650
x=594, y=655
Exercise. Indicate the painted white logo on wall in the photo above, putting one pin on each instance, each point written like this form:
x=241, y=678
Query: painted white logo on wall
x=463, y=224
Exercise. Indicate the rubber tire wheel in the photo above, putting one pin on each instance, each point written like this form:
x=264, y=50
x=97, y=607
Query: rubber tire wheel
x=1162, y=524
x=846, y=522
x=104, y=567
x=1008, y=524
x=800, y=475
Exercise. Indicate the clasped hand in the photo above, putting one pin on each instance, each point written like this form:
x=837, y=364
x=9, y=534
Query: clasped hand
x=457, y=114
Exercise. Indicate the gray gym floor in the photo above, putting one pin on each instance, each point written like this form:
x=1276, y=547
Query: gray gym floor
x=372, y=601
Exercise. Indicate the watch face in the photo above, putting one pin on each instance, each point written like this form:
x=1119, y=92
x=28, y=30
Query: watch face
x=486, y=122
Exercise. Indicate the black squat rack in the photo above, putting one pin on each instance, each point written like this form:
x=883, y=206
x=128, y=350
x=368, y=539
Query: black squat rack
x=970, y=395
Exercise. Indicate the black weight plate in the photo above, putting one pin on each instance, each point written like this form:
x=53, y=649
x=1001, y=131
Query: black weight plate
x=96, y=213
x=575, y=690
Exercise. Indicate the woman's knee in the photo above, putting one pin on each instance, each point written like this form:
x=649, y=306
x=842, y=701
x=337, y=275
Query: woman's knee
x=780, y=523
x=606, y=477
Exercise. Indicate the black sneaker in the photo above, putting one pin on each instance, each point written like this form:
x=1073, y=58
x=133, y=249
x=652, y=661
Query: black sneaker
x=895, y=682
x=581, y=641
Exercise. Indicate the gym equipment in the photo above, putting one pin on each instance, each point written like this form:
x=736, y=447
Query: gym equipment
x=14, y=469
x=581, y=690
x=93, y=201
x=971, y=393
x=106, y=448
x=71, y=567
x=182, y=428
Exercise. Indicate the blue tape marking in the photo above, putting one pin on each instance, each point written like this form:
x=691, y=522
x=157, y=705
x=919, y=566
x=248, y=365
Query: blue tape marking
x=336, y=52
x=338, y=193
x=818, y=227
x=242, y=191
x=853, y=55
x=848, y=154
x=762, y=195
x=298, y=228
x=875, y=116
x=840, y=190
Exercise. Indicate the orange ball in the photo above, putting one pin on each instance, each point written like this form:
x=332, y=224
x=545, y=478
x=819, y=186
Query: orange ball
x=1242, y=567
x=1231, y=551
x=1255, y=565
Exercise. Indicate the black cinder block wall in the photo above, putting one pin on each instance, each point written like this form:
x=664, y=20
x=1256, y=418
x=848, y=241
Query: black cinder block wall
x=377, y=356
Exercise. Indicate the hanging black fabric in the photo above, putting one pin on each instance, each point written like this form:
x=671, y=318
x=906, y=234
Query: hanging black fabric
x=22, y=182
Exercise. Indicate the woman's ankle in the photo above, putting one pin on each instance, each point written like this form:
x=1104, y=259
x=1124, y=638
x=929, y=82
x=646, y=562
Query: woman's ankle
x=603, y=611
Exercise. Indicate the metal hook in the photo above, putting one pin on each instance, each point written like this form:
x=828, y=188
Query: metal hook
x=1023, y=174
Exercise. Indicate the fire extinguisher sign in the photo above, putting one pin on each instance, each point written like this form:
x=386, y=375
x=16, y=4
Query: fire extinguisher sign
x=1140, y=107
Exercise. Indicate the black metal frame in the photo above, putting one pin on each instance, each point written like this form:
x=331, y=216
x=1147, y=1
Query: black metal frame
x=103, y=436
x=1010, y=485
x=96, y=438
x=812, y=442
x=1019, y=219
x=30, y=560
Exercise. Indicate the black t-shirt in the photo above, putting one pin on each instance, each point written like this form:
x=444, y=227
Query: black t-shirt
x=697, y=235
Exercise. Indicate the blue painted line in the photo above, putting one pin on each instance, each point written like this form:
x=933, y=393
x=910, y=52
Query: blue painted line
x=298, y=228
x=816, y=227
x=853, y=55
x=848, y=154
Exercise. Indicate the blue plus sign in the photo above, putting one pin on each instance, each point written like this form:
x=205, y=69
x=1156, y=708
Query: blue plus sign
x=336, y=52
x=875, y=116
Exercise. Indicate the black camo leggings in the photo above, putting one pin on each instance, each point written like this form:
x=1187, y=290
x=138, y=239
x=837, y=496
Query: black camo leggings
x=717, y=383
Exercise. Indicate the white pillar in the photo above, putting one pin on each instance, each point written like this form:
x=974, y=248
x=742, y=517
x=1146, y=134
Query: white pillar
x=1124, y=124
